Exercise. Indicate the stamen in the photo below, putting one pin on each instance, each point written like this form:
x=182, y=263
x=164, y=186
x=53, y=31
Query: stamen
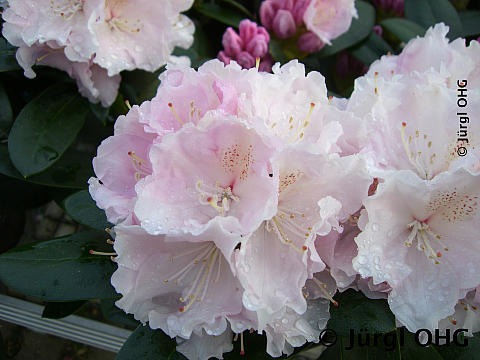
x=322, y=287
x=242, y=347
x=375, y=82
x=257, y=63
x=170, y=105
x=128, y=105
x=93, y=252
x=302, y=126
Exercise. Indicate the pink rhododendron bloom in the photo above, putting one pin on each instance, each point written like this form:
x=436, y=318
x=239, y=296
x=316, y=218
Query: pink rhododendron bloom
x=466, y=316
x=219, y=172
x=290, y=329
x=421, y=239
x=97, y=38
x=141, y=34
x=281, y=252
x=67, y=22
x=420, y=232
x=250, y=44
x=121, y=161
x=202, y=346
x=329, y=19
x=177, y=284
x=93, y=81
x=306, y=116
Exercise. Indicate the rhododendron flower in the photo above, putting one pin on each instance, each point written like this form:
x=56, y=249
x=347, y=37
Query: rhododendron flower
x=220, y=172
x=246, y=47
x=203, y=346
x=101, y=36
x=466, y=316
x=290, y=330
x=281, y=253
x=141, y=34
x=121, y=161
x=329, y=19
x=93, y=81
x=421, y=239
x=178, y=284
x=420, y=233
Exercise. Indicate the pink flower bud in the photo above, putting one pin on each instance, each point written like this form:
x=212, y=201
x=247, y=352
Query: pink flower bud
x=258, y=47
x=224, y=57
x=309, y=42
x=286, y=4
x=232, y=43
x=284, y=24
x=247, y=30
x=299, y=9
x=267, y=13
x=245, y=60
x=377, y=29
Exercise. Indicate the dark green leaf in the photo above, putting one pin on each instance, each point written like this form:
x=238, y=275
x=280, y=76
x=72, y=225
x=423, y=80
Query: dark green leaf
x=83, y=210
x=113, y=313
x=358, y=31
x=58, y=310
x=45, y=128
x=470, y=22
x=61, y=269
x=276, y=49
x=430, y=12
x=6, y=116
x=225, y=15
x=7, y=56
x=358, y=312
x=239, y=7
x=72, y=171
x=403, y=29
x=371, y=49
x=147, y=344
x=99, y=112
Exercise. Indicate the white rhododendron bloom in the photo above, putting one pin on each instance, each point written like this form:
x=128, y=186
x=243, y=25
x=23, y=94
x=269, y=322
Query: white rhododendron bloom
x=421, y=224
x=328, y=19
x=101, y=36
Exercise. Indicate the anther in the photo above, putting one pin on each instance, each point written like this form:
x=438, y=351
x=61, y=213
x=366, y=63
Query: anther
x=170, y=105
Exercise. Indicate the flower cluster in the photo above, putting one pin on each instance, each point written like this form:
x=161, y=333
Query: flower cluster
x=94, y=40
x=244, y=200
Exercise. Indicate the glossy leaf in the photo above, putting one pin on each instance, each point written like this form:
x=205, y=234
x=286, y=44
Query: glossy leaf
x=113, y=313
x=430, y=12
x=58, y=310
x=371, y=49
x=72, y=171
x=223, y=14
x=358, y=312
x=61, y=269
x=7, y=56
x=147, y=344
x=6, y=115
x=358, y=31
x=81, y=208
x=239, y=7
x=45, y=128
x=403, y=29
x=470, y=22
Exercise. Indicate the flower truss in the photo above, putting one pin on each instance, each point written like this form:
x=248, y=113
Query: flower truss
x=244, y=199
x=94, y=40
